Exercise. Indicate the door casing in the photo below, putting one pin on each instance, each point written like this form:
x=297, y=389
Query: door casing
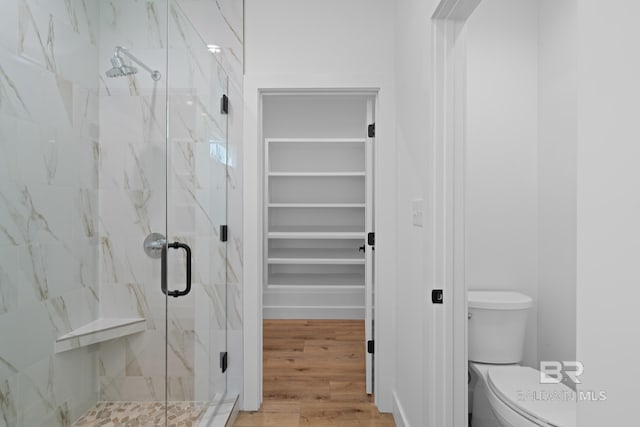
x=384, y=197
x=449, y=106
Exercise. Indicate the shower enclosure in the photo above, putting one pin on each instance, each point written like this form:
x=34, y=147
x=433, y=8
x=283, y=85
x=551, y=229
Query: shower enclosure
x=113, y=211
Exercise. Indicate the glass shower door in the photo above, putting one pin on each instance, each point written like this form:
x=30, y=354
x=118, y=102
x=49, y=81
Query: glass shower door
x=196, y=257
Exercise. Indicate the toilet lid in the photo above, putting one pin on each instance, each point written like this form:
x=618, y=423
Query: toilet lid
x=498, y=300
x=520, y=388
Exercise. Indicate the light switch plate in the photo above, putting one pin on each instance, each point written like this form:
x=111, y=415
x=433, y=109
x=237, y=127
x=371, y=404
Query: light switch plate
x=417, y=212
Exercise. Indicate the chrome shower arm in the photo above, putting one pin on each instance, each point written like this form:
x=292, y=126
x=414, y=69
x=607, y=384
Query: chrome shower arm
x=155, y=74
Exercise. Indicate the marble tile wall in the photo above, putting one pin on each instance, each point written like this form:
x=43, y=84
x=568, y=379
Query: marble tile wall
x=48, y=207
x=132, y=200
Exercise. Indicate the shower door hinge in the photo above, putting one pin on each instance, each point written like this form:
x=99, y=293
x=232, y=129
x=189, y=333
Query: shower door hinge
x=370, y=346
x=224, y=104
x=224, y=233
x=371, y=130
x=223, y=361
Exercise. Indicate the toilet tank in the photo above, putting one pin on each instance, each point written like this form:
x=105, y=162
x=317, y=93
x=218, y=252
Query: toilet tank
x=497, y=324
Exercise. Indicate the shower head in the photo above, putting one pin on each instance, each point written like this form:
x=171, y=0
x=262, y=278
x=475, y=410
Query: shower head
x=119, y=68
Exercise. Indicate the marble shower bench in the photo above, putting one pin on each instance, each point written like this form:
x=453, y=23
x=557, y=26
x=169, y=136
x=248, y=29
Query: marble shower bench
x=99, y=330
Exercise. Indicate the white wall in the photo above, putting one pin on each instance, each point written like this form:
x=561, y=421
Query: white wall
x=501, y=163
x=316, y=116
x=319, y=37
x=413, y=392
x=608, y=230
x=557, y=109
x=319, y=44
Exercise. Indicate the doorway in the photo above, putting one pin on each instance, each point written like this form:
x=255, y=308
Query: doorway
x=483, y=215
x=317, y=204
x=318, y=208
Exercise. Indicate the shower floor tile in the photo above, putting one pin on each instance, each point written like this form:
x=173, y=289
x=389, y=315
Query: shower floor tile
x=143, y=414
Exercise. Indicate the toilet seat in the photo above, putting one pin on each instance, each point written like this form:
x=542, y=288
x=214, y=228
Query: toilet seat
x=519, y=388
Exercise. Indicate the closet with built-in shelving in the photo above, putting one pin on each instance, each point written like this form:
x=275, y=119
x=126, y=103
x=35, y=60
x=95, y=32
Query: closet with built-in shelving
x=318, y=205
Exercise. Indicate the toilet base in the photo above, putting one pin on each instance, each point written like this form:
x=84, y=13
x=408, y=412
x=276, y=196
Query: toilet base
x=482, y=415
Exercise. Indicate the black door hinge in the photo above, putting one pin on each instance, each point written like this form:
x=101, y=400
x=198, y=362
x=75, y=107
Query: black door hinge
x=371, y=130
x=371, y=239
x=223, y=361
x=370, y=347
x=224, y=104
x=436, y=296
x=224, y=233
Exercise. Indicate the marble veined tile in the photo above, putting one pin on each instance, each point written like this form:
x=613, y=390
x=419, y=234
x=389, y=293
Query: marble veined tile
x=48, y=39
x=138, y=25
x=144, y=166
x=85, y=214
x=131, y=119
x=33, y=341
x=24, y=85
x=80, y=15
x=86, y=114
x=37, y=263
x=8, y=399
x=131, y=213
x=132, y=388
x=9, y=148
x=84, y=164
x=9, y=279
x=232, y=13
x=127, y=300
x=9, y=27
x=36, y=35
x=13, y=101
x=185, y=40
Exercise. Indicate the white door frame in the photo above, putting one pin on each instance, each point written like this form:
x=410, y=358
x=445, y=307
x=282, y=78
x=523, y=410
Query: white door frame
x=385, y=183
x=449, y=92
x=369, y=301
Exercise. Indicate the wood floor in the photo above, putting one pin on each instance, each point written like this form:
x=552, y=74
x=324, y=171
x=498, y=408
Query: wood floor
x=314, y=376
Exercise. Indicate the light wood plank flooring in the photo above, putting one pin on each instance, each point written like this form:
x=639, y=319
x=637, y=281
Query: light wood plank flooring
x=314, y=375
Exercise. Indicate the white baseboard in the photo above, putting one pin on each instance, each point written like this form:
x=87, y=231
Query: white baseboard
x=310, y=312
x=398, y=413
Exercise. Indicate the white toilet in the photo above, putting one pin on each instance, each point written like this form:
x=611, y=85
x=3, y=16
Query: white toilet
x=507, y=394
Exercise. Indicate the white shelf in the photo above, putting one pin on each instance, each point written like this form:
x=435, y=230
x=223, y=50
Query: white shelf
x=316, y=205
x=314, y=235
x=99, y=330
x=316, y=232
x=317, y=229
x=316, y=174
x=316, y=256
x=316, y=290
x=338, y=140
x=337, y=280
